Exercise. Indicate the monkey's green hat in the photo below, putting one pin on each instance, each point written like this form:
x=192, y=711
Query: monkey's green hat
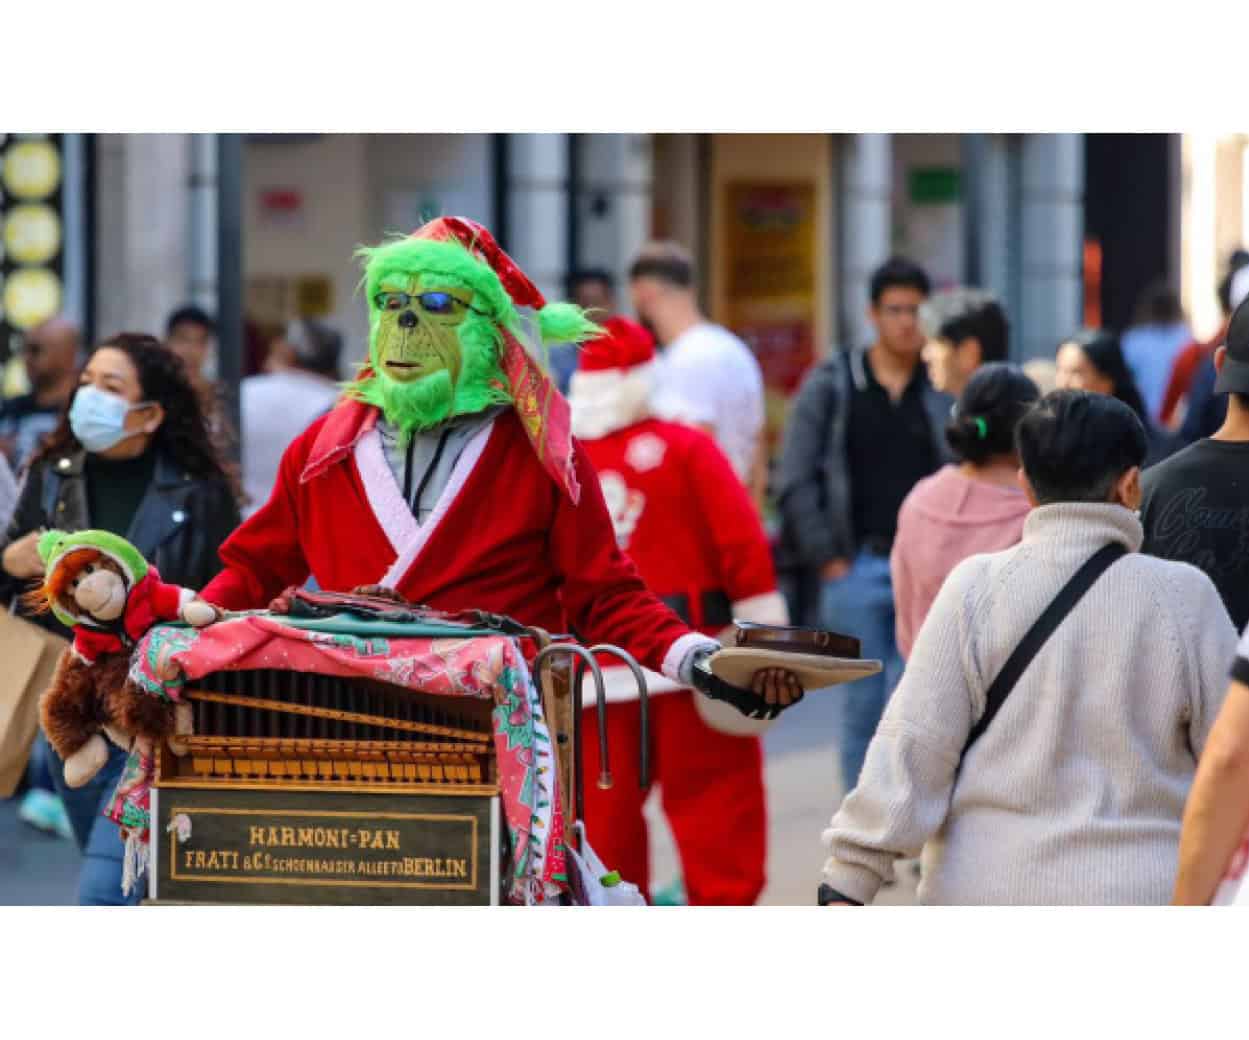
x=54, y=546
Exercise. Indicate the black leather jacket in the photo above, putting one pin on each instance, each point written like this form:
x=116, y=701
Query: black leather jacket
x=179, y=525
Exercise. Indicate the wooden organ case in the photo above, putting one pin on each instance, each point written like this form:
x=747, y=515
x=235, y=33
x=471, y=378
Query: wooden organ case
x=312, y=789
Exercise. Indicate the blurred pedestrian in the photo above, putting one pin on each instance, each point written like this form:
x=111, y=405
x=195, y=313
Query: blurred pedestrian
x=133, y=456
x=1190, y=357
x=1150, y=345
x=594, y=290
x=965, y=328
x=686, y=521
x=191, y=333
x=974, y=505
x=865, y=427
x=707, y=376
x=1195, y=506
x=300, y=384
x=1071, y=788
x=1093, y=360
x=50, y=353
x=1207, y=408
x=1216, y=818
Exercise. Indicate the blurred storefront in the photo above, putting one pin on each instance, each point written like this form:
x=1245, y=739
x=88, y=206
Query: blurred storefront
x=1065, y=228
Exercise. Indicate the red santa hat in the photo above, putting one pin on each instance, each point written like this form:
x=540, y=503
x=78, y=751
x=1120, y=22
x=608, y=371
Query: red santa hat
x=625, y=345
x=543, y=411
x=478, y=241
x=612, y=385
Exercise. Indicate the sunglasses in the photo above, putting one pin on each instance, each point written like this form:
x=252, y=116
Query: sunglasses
x=438, y=304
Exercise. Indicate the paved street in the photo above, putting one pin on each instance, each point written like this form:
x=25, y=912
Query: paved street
x=36, y=869
x=803, y=788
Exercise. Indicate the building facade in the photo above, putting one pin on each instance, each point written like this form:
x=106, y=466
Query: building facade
x=1065, y=228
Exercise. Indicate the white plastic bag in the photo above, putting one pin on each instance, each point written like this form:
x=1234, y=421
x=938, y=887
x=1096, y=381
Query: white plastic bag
x=602, y=887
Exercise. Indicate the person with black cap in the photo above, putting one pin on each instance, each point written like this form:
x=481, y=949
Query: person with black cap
x=1195, y=505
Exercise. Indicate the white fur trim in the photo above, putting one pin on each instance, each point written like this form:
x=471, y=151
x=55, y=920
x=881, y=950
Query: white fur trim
x=464, y=466
x=677, y=651
x=382, y=491
x=620, y=685
x=184, y=597
x=769, y=608
x=608, y=400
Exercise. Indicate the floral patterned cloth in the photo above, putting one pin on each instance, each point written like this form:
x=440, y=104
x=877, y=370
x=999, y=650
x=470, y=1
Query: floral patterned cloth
x=483, y=666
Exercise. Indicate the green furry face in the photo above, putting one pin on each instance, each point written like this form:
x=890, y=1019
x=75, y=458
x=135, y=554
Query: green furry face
x=434, y=354
x=433, y=360
x=417, y=327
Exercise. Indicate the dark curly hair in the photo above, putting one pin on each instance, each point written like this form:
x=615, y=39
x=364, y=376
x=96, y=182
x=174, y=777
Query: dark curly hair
x=184, y=435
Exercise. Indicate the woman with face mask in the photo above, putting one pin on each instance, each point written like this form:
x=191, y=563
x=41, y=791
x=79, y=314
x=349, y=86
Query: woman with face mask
x=133, y=455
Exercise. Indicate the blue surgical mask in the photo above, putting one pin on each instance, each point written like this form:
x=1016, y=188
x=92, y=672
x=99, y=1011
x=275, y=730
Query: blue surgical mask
x=98, y=418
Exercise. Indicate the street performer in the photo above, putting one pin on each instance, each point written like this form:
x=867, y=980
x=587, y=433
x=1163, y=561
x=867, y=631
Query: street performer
x=448, y=473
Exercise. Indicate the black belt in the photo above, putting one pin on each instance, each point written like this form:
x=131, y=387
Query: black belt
x=877, y=544
x=716, y=609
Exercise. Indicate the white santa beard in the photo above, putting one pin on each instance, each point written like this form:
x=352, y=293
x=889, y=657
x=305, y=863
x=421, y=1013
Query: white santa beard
x=609, y=400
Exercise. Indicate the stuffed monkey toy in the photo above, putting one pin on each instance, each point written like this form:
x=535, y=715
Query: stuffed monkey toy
x=101, y=586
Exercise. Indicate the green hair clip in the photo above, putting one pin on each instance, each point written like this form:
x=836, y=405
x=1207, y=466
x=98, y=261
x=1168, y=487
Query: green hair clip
x=982, y=427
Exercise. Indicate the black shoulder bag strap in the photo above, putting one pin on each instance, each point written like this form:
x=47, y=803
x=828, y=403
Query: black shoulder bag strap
x=1062, y=605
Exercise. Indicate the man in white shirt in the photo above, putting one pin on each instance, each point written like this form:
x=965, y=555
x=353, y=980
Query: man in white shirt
x=708, y=377
x=298, y=386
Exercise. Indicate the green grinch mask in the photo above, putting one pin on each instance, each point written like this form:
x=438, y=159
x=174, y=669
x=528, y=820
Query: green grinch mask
x=437, y=315
x=417, y=331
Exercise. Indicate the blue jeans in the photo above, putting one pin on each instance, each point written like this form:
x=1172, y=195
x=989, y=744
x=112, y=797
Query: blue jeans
x=861, y=605
x=99, y=840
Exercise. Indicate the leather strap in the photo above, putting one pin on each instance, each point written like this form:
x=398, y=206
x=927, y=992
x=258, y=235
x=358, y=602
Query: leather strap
x=798, y=640
x=826, y=894
x=1035, y=638
x=746, y=701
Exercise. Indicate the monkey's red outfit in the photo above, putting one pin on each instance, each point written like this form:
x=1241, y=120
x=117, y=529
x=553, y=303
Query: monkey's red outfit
x=686, y=520
x=150, y=600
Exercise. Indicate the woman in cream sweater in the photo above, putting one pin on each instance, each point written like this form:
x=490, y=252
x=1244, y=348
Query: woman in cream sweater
x=1074, y=793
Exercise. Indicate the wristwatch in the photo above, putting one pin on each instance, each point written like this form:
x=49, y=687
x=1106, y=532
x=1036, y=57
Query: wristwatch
x=826, y=894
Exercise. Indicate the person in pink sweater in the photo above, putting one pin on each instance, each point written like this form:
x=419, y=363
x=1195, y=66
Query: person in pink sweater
x=974, y=506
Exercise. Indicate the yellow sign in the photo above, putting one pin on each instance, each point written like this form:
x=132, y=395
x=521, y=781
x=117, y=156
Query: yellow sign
x=32, y=233
x=307, y=847
x=314, y=296
x=771, y=292
x=31, y=295
x=32, y=170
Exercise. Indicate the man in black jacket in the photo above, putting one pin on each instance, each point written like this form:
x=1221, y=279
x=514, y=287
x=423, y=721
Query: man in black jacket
x=865, y=427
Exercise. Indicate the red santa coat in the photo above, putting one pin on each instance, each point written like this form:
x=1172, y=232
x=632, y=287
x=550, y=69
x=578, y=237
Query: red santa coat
x=502, y=537
x=685, y=518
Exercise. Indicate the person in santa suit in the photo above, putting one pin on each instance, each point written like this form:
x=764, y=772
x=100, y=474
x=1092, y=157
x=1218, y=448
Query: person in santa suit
x=448, y=474
x=687, y=521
